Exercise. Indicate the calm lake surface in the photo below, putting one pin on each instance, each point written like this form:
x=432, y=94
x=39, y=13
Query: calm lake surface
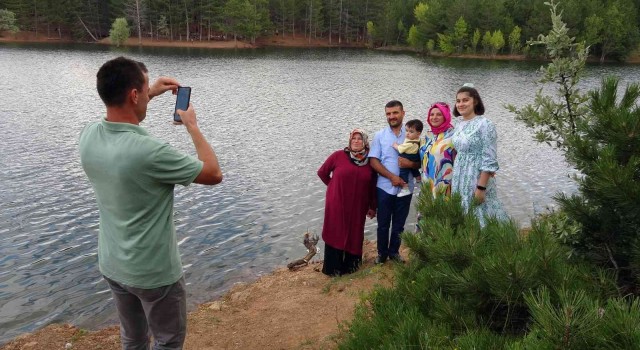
x=272, y=116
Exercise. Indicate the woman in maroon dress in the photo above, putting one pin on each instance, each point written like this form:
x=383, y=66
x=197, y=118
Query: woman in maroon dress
x=351, y=188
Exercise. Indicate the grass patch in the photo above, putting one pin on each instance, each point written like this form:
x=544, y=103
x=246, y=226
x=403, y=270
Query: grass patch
x=345, y=280
x=77, y=335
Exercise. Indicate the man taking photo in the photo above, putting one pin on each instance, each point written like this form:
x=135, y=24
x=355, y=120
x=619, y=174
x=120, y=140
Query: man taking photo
x=133, y=175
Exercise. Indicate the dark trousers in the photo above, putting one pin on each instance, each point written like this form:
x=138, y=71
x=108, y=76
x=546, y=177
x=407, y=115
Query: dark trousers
x=404, y=172
x=162, y=309
x=338, y=262
x=392, y=213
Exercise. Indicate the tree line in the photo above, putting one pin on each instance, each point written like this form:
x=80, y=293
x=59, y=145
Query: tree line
x=610, y=27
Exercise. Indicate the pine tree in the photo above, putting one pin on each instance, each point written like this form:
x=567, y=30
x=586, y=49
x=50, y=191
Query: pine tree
x=606, y=151
x=600, y=137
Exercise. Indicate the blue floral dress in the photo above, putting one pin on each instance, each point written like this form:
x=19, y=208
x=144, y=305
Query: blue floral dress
x=476, y=142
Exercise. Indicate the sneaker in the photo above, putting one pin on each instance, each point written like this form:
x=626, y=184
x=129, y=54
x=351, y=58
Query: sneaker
x=397, y=258
x=404, y=192
x=380, y=260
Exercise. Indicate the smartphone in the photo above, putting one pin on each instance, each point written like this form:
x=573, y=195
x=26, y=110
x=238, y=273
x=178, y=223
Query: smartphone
x=182, y=101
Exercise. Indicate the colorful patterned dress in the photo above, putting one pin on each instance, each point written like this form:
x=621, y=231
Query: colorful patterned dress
x=437, y=154
x=476, y=142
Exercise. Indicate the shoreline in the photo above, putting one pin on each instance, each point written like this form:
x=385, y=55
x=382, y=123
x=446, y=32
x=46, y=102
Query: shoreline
x=302, y=309
x=275, y=42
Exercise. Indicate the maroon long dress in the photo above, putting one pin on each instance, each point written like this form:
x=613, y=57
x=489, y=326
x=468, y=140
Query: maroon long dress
x=350, y=194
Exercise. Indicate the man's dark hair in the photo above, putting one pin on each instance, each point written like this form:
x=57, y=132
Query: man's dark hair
x=478, y=109
x=415, y=124
x=394, y=103
x=117, y=77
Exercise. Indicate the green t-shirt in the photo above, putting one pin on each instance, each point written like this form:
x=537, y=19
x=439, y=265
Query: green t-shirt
x=133, y=176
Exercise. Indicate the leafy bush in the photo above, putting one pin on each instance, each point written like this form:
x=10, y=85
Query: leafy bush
x=8, y=21
x=119, y=32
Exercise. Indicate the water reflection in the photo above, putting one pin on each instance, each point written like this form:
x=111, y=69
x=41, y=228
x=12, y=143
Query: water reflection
x=273, y=116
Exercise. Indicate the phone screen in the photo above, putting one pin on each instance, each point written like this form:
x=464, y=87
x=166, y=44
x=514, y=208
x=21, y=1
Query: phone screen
x=182, y=101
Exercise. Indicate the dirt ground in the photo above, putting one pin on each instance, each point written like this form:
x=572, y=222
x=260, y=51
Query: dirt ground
x=301, y=309
x=276, y=40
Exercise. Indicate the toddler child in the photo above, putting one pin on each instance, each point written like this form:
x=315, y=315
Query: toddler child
x=409, y=149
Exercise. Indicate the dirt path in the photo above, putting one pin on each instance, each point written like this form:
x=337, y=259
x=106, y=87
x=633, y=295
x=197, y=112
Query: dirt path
x=284, y=310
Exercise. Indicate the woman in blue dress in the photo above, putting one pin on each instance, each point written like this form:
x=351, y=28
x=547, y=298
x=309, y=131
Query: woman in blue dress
x=476, y=141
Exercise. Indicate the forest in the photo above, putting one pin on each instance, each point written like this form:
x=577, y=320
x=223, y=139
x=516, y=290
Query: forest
x=609, y=27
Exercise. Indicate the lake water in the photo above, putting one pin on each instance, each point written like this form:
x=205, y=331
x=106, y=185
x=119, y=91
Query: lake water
x=272, y=117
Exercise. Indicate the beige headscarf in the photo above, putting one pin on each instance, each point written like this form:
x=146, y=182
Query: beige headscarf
x=358, y=158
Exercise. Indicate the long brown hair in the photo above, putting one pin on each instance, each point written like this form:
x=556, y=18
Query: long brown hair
x=478, y=108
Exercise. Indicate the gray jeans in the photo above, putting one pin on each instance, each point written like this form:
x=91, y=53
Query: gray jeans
x=162, y=310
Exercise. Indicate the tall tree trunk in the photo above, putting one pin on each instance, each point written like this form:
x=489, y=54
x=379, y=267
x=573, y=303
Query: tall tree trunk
x=255, y=22
x=186, y=16
x=346, y=27
x=170, y=23
x=366, y=18
x=87, y=29
x=329, y=11
x=35, y=10
x=310, y=19
x=293, y=20
x=138, y=20
x=340, y=24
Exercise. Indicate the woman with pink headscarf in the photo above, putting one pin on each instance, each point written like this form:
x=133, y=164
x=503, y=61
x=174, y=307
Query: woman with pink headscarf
x=351, y=197
x=437, y=152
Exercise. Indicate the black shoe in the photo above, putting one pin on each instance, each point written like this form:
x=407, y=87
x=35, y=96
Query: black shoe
x=380, y=260
x=397, y=258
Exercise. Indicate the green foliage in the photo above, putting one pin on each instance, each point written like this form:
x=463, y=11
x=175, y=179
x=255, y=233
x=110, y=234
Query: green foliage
x=554, y=119
x=413, y=38
x=487, y=46
x=245, y=18
x=431, y=44
x=572, y=325
x=514, y=40
x=497, y=42
x=475, y=40
x=8, y=21
x=601, y=140
x=401, y=31
x=615, y=38
x=594, y=26
x=470, y=287
x=163, y=27
x=561, y=226
x=606, y=151
x=613, y=30
x=371, y=32
x=119, y=32
x=445, y=43
x=417, y=37
x=420, y=12
x=582, y=322
x=460, y=34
